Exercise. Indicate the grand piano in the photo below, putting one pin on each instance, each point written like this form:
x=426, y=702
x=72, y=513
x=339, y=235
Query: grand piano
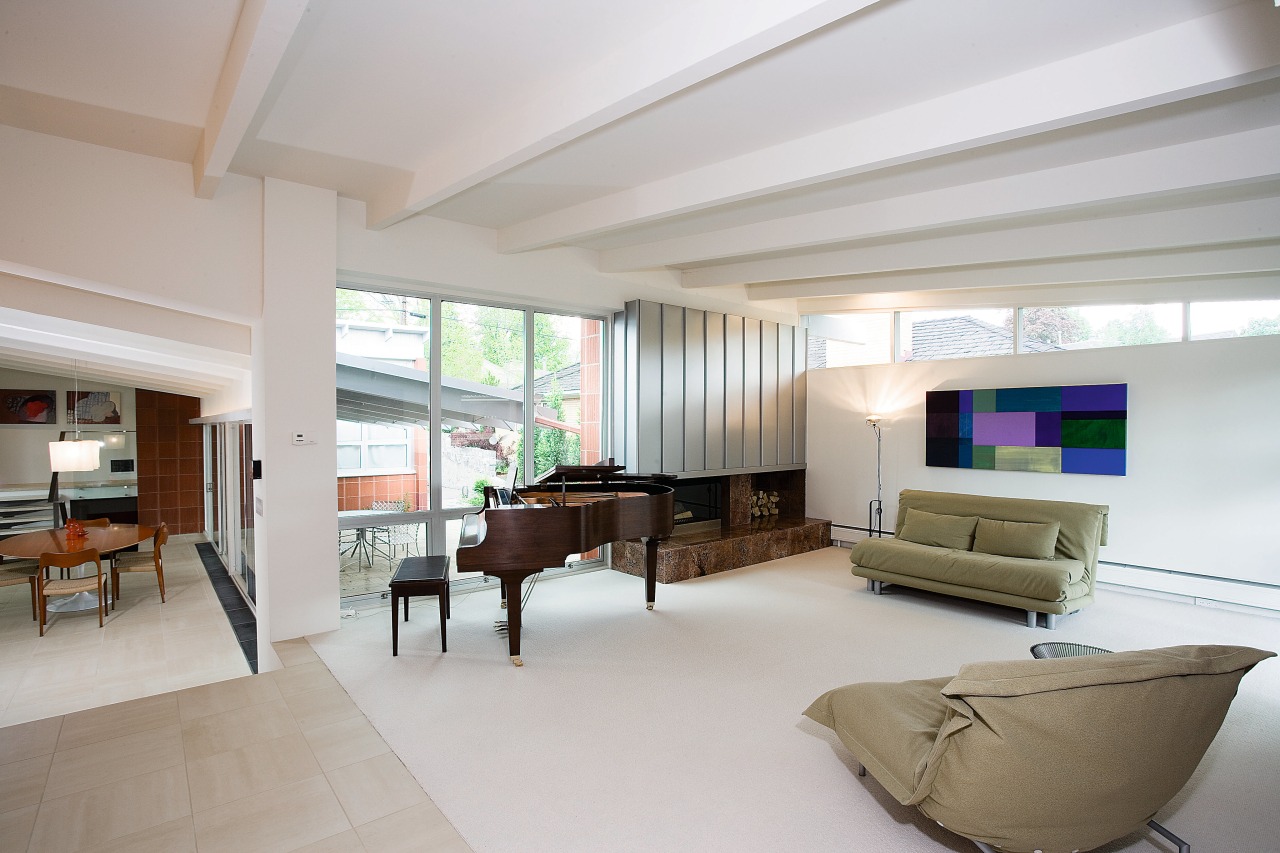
x=569, y=510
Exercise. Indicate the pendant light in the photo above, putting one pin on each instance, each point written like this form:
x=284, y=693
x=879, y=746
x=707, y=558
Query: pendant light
x=74, y=455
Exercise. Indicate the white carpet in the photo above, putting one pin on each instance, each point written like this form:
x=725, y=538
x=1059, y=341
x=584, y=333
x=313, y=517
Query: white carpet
x=680, y=729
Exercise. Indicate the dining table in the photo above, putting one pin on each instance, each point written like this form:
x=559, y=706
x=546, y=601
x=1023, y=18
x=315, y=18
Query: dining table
x=106, y=539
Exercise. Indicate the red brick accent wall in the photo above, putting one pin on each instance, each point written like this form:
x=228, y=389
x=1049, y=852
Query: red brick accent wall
x=592, y=332
x=170, y=461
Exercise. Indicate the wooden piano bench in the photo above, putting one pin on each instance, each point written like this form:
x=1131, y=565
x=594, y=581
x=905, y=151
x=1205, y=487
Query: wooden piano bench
x=419, y=576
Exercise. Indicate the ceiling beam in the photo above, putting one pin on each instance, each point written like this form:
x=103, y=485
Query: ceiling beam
x=1261, y=257
x=1096, y=233
x=1236, y=46
x=262, y=35
x=702, y=40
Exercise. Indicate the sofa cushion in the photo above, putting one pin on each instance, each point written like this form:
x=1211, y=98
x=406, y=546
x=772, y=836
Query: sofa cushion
x=1043, y=580
x=931, y=528
x=1029, y=539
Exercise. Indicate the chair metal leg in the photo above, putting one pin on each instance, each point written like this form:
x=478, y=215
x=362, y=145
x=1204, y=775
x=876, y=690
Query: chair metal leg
x=871, y=585
x=1051, y=621
x=983, y=846
x=1031, y=618
x=1183, y=847
x=862, y=771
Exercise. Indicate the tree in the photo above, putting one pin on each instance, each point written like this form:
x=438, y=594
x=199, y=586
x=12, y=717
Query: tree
x=1262, y=326
x=1054, y=326
x=1141, y=328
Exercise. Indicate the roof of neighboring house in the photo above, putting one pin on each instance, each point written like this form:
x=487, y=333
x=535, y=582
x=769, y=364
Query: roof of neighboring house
x=569, y=378
x=964, y=337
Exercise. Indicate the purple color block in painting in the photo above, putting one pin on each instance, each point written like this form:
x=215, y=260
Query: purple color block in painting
x=1048, y=429
x=966, y=401
x=1008, y=429
x=1095, y=398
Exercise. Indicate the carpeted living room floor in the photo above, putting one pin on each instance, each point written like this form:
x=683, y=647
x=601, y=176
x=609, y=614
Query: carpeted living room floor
x=681, y=730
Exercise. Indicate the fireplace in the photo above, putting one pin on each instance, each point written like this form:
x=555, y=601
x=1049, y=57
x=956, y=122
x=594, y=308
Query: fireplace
x=716, y=531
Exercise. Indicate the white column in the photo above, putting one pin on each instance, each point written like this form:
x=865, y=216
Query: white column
x=295, y=503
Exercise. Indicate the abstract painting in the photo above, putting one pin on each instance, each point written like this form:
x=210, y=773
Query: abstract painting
x=93, y=407
x=28, y=407
x=1059, y=429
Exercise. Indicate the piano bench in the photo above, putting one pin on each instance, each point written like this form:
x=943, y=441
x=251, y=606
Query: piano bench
x=419, y=576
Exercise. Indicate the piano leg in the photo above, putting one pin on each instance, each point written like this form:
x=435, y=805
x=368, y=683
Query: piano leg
x=650, y=570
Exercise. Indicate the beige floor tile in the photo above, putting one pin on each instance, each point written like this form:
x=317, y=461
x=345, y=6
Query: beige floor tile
x=15, y=828
x=87, y=819
x=374, y=788
x=109, y=761
x=275, y=821
x=27, y=712
x=22, y=782
x=175, y=836
x=29, y=739
x=16, y=651
x=420, y=829
x=206, y=617
x=345, y=742
x=226, y=696
x=316, y=708
x=123, y=718
x=234, y=667
x=237, y=728
x=304, y=677
x=343, y=842
x=243, y=772
x=295, y=652
x=111, y=690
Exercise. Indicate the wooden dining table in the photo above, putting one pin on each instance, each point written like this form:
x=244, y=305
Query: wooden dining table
x=105, y=539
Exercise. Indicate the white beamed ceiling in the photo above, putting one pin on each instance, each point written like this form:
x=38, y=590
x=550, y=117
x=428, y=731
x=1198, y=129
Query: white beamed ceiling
x=834, y=152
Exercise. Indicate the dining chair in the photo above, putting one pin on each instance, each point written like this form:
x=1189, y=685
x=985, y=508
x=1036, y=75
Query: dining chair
x=141, y=561
x=96, y=522
x=46, y=586
x=13, y=575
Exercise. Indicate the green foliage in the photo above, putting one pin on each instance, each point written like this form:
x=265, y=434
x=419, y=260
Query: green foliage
x=1262, y=326
x=476, y=496
x=1054, y=326
x=1141, y=328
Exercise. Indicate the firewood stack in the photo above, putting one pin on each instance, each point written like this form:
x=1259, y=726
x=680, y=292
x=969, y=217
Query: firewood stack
x=764, y=504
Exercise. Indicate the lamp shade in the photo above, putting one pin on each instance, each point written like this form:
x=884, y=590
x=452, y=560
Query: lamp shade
x=73, y=455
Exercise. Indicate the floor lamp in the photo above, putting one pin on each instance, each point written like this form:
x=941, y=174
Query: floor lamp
x=875, y=509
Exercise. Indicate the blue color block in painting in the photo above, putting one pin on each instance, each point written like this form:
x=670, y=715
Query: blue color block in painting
x=965, y=449
x=966, y=402
x=966, y=424
x=1090, y=460
x=1095, y=398
x=1047, y=399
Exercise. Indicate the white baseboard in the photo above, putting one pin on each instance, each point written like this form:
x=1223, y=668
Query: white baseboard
x=1197, y=588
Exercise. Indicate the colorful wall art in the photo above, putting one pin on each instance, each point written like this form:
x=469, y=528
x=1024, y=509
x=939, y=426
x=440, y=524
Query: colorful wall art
x=1059, y=429
x=28, y=407
x=93, y=407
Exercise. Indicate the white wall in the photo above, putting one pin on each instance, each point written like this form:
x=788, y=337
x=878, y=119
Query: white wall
x=24, y=448
x=1202, y=492
x=128, y=225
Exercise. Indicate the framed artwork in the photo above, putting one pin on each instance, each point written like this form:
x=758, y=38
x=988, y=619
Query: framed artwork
x=28, y=407
x=93, y=407
x=1058, y=429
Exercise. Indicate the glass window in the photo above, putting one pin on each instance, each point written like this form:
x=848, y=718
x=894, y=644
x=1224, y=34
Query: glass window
x=482, y=355
x=843, y=340
x=933, y=335
x=1090, y=326
x=566, y=391
x=376, y=449
x=1234, y=319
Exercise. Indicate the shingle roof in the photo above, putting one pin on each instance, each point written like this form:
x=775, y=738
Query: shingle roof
x=964, y=337
x=569, y=378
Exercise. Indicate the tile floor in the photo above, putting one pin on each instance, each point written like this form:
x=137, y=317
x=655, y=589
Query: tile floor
x=144, y=649
x=149, y=734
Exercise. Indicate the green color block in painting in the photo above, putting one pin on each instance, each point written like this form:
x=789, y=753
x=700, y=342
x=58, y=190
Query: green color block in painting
x=1046, y=460
x=984, y=400
x=984, y=456
x=1097, y=433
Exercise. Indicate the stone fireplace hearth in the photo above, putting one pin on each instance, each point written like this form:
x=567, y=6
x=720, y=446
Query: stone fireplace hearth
x=705, y=548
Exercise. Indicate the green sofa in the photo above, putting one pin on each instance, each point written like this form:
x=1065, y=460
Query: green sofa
x=1039, y=556
x=1056, y=755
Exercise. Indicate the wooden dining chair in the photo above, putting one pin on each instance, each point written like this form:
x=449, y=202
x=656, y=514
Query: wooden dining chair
x=46, y=586
x=96, y=522
x=13, y=575
x=141, y=561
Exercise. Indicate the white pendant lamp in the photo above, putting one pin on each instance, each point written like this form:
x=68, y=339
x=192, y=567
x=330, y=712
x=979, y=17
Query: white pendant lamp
x=74, y=455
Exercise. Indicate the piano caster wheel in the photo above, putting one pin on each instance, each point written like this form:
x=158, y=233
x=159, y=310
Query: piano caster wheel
x=504, y=604
x=649, y=606
x=515, y=659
